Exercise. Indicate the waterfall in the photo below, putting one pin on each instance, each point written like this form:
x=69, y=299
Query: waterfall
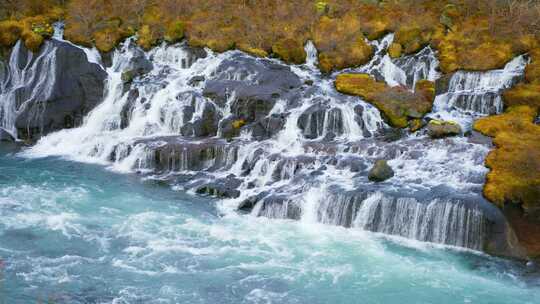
x=278, y=140
x=29, y=79
x=478, y=93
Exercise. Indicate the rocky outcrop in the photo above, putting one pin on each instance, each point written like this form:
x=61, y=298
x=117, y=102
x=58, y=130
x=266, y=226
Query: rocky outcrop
x=253, y=87
x=49, y=90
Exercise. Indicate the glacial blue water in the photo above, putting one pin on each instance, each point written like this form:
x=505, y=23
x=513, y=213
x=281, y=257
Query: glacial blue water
x=77, y=233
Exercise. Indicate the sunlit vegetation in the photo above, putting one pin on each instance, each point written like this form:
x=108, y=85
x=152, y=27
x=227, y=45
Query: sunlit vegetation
x=515, y=163
x=30, y=21
x=471, y=35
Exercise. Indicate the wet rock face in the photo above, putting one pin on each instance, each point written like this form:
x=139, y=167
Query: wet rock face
x=380, y=172
x=63, y=89
x=251, y=88
x=320, y=119
x=5, y=136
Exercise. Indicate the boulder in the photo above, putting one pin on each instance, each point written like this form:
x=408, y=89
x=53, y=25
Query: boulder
x=440, y=129
x=290, y=50
x=59, y=92
x=380, y=172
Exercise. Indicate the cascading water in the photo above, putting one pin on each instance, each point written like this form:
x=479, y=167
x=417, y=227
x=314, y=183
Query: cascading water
x=279, y=141
x=473, y=94
x=25, y=83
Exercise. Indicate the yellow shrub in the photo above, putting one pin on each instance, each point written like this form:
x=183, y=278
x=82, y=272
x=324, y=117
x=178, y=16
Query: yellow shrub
x=175, y=31
x=107, y=39
x=10, y=32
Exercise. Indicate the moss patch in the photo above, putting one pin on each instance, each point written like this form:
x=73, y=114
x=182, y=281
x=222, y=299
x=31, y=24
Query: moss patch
x=290, y=50
x=341, y=43
x=397, y=104
x=515, y=163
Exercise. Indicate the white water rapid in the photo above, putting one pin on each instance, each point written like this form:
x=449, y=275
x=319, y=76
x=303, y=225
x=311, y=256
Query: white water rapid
x=279, y=141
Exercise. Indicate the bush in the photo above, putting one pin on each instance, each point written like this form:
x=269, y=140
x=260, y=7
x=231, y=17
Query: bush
x=175, y=31
x=10, y=32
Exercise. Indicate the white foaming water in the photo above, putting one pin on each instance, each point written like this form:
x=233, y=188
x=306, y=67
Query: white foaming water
x=139, y=243
x=473, y=94
x=326, y=139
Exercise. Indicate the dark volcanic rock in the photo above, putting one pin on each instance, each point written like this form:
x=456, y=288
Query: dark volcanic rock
x=254, y=87
x=206, y=125
x=63, y=88
x=226, y=187
x=381, y=171
x=267, y=127
x=5, y=136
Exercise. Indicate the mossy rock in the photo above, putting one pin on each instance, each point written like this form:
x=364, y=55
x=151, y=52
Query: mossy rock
x=441, y=129
x=380, y=172
x=532, y=71
x=416, y=124
x=107, y=39
x=398, y=105
x=239, y=123
x=10, y=32
x=290, y=50
x=340, y=43
x=515, y=163
x=254, y=51
x=32, y=41
x=146, y=37
x=523, y=94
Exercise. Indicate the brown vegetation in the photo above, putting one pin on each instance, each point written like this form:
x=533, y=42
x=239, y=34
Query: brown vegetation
x=471, y=35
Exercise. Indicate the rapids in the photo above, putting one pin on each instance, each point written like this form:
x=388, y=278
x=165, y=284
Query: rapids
x=75, y=233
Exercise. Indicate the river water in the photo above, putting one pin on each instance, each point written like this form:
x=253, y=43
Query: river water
x=78, y=233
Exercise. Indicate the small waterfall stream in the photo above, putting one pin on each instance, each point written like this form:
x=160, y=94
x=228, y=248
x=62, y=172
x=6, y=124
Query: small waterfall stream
x=279, y=141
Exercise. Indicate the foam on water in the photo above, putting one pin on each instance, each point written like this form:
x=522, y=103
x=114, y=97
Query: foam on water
x=158, y=247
